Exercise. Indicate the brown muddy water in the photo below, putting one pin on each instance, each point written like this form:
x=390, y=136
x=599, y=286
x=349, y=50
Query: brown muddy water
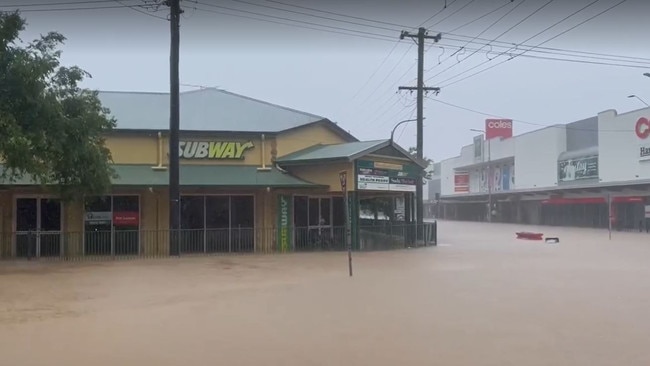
x=480, y=298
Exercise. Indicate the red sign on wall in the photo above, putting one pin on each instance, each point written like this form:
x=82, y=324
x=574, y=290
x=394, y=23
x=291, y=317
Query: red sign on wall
x=461, y=182
x=126, y=218
x=642, y=128
x=498, y=128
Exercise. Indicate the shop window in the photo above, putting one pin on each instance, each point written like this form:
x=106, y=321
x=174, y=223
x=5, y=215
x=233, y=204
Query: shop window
x=217, y=223
x=112, y=225
x=318, y=221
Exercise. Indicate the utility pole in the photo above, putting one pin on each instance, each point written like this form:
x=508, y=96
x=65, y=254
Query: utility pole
x=419, y=198
x=174, y=127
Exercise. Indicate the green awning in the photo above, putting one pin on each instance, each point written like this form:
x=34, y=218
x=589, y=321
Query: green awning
x=200, y=176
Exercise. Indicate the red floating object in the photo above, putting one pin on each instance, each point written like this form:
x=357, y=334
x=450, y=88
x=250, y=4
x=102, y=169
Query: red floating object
x=529, y=235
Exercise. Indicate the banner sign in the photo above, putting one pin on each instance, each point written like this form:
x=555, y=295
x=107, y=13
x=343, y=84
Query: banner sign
x=577, y=169
x=378, y=176
x=128, y=218
x=213, y=149
x=498, y=128
x=285, y=219
x=461, y=182
x=505, y=177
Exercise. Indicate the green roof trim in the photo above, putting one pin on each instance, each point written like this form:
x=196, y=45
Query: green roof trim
x=346, y=152
x=243, y=176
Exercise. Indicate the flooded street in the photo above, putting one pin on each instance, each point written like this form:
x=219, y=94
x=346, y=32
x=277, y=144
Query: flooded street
x=480, y=298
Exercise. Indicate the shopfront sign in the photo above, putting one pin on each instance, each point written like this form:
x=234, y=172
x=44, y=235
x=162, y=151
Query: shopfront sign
x=126, y=218
x=214, y=149
x=98, y=218
x=380, y=176
x=461, y=182
x=498, y=128
x=285, y=218
x=642, y=128
x=577, y=169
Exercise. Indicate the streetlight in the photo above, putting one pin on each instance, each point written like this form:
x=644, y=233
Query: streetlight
x=392, y=133
x=639, y=98
x=489, y=179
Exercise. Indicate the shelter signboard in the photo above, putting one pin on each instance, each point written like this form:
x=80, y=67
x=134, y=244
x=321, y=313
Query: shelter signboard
x=378, y=176
x=285, y=218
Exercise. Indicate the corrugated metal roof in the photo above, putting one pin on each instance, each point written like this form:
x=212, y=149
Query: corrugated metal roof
x=335, y=151
x=346, y=151
x=198, y=175
x=207, y=109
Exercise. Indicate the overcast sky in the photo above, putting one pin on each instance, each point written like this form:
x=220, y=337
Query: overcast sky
x=352, y=78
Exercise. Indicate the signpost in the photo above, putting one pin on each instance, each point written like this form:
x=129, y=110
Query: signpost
x=610, y=216
x=343, y=176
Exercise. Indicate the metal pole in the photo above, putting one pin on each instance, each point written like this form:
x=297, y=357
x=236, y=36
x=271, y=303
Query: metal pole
x=609, y=215
x=419, y=209
x=348, y=232
x=489, y=183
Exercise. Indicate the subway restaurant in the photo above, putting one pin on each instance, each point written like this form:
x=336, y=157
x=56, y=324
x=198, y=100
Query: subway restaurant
x=255, y=177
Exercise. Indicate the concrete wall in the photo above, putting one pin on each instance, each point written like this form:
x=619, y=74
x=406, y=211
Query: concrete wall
x=619, y=147
x=536, y=155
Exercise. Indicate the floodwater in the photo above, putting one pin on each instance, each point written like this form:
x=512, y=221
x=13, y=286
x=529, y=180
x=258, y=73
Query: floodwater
x=480, y=298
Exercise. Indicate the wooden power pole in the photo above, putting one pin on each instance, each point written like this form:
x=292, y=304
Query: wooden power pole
x=174, y=127
x=419, y=198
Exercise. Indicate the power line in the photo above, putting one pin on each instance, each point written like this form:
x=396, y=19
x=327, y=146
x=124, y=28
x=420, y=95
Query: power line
x=136, y=9
x=22, y=5
x=617, y=62
x=499, y=36
x=479, y=18
x=436, y=13
x=71, y=9
x=526, y=122
x=338, y=14
x=394, y=29
x=564, y=50
x=544, y=42
x=377, y=37
x=452, y=14
x=294, y=20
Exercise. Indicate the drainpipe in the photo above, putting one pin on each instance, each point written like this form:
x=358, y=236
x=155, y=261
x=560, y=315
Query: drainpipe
x=264, y=167
x=160, y=153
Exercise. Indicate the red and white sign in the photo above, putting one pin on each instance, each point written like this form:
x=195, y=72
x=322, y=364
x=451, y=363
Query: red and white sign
x=498, y=128
x=461, y=182
x=642, y=128
x=126, y=218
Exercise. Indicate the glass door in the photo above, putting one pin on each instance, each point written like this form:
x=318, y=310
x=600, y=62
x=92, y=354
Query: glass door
x=38, y=227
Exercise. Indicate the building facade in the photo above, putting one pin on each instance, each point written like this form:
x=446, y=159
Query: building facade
x=586, y=173
x=254, y=177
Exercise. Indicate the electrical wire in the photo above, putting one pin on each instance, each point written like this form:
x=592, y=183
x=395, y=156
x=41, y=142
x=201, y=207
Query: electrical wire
x=544, y=42
x=452, y=14
x=136, y=9
x=337, y=14
x=485, y=30
x=352, y=33
x=525, y=122
x=588, y=59
x=393, y=29
x=480, y=17
x=437, y=13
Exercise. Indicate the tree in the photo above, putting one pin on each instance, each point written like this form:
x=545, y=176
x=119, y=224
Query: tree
x=427, y=172
x=52, y=129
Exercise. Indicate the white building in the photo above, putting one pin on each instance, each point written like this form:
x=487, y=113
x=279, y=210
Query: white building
x=557, y=175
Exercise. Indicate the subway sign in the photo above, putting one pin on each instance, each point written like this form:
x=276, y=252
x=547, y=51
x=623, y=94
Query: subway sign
x=213, y=149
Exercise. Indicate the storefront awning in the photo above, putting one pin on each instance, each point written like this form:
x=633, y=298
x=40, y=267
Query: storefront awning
x=199, y=176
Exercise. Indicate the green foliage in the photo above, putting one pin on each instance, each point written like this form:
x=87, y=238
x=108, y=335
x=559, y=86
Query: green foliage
x=52, y=130
x=428, y=172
